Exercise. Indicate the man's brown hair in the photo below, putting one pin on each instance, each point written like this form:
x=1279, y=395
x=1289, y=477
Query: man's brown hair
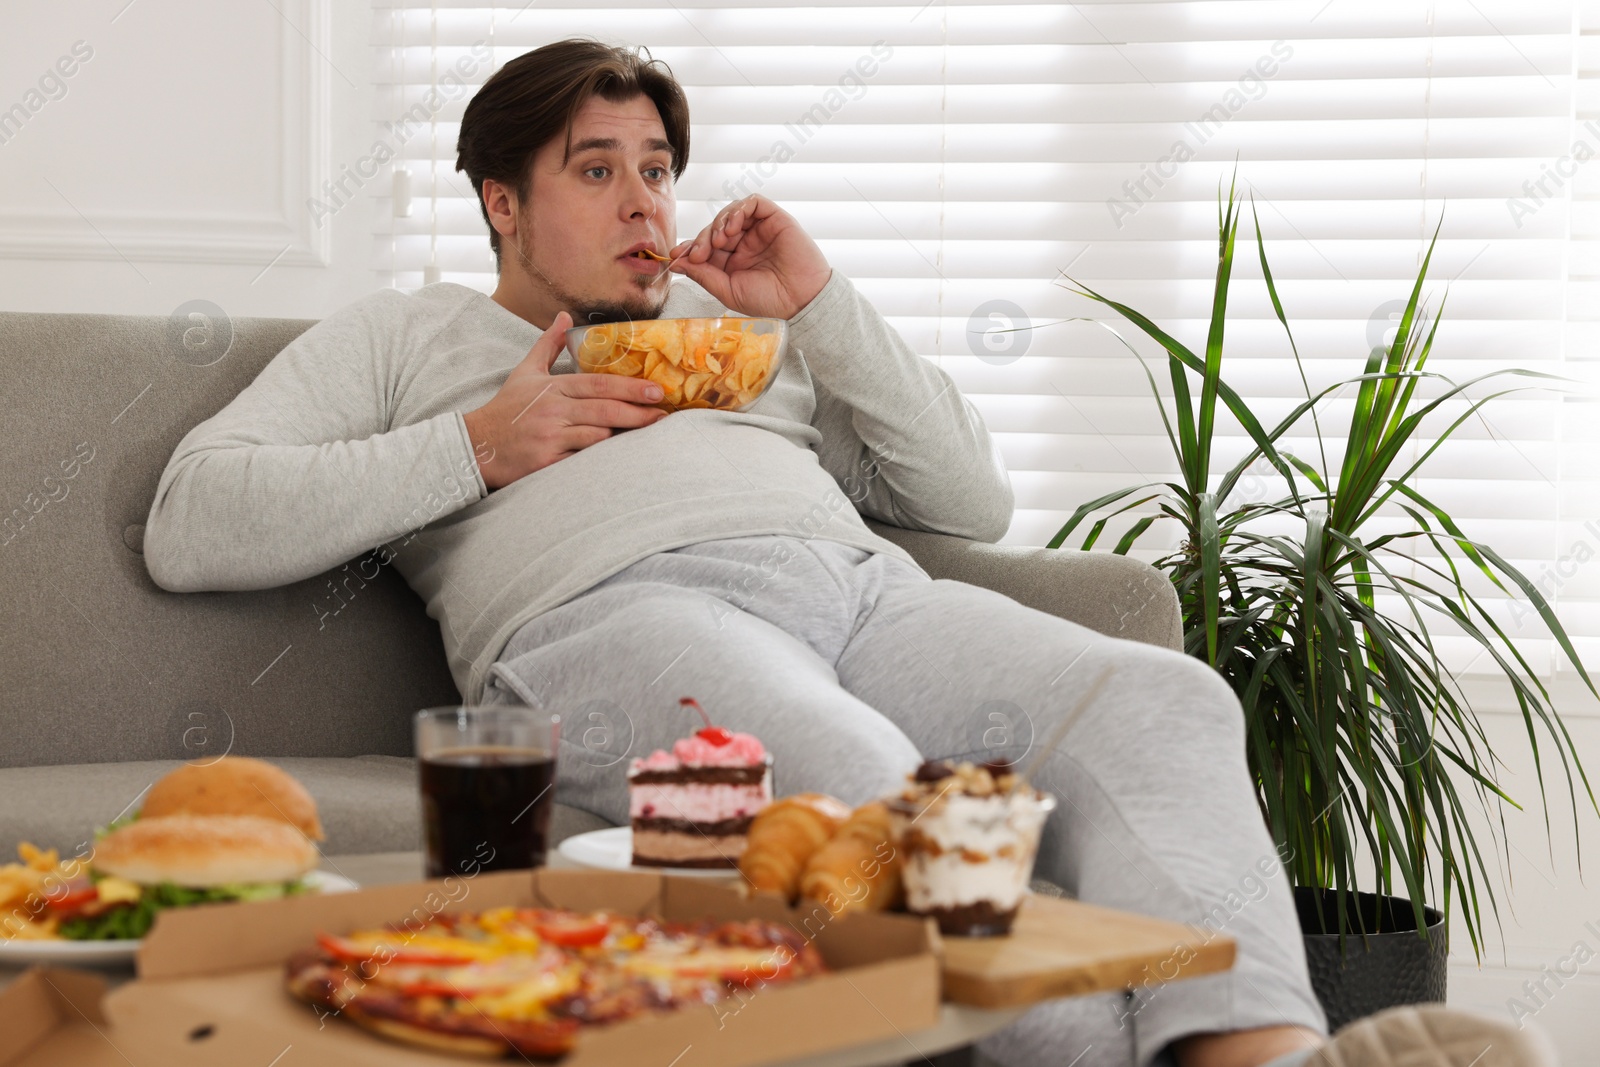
x=533, y=99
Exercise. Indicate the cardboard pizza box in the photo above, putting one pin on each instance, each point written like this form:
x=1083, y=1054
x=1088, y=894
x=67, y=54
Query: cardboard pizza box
x=210, y=985
x=51, y=1016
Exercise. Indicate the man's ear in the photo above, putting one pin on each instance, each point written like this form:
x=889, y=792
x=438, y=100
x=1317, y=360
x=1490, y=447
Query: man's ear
x=500, y=201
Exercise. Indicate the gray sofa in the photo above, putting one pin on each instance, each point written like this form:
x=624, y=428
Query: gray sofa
x=106, y=681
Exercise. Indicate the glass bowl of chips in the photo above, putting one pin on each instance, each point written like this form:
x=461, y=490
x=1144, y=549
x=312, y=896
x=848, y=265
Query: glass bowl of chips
x=723, y=363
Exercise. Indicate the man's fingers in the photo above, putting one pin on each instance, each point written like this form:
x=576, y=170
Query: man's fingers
x=617, y=413
x=716, y=235
x=612, y=387
x=738, y=215
x=728, y=211
x=548, y=348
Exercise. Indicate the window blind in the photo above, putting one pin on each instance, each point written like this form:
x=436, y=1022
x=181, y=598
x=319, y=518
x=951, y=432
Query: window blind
x=959, y=159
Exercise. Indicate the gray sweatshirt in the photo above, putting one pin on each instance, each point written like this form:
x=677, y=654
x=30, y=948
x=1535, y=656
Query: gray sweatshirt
x=352, y=438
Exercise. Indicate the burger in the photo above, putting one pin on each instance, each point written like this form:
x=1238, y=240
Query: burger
x=234, y=785
x=234, y=830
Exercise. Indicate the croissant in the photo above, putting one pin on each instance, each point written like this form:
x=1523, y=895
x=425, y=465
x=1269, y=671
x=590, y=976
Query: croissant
x=858, y=869
x=782, y=837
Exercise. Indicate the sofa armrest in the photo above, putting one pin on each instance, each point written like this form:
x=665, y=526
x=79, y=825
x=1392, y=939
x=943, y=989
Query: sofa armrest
x=1110, y=594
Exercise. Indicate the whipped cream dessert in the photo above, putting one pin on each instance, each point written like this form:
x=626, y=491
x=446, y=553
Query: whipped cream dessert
x=967, y=836
x=692, y=807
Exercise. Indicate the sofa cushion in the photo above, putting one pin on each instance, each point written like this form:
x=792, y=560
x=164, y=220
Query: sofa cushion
x=367, y=803
x=100, y=664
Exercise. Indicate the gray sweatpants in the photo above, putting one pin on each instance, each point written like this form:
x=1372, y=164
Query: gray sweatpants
x=852, y=666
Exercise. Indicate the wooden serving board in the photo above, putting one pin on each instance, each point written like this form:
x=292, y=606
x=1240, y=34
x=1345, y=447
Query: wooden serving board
x=1061, y=947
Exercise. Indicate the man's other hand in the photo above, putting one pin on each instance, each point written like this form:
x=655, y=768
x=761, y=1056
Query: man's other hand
x=755, y=259
x=538, y=418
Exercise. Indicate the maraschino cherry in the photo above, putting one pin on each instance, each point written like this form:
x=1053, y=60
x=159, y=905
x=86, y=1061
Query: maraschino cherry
x=716, y=735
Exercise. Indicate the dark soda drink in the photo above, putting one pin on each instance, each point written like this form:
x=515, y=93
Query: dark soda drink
x=486, y=808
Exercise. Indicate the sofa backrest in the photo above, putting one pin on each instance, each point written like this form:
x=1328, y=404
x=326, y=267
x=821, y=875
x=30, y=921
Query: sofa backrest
x=97, y=664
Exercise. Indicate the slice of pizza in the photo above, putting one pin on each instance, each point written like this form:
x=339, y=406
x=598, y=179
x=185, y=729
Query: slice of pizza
x=467, y=1003
x=526, y=981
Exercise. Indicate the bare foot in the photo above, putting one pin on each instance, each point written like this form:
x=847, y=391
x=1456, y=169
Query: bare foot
x=1244, y=1048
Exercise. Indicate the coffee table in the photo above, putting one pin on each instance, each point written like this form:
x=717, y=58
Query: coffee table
x=944, y=1045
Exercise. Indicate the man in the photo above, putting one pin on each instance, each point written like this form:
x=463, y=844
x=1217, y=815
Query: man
x=578, y=546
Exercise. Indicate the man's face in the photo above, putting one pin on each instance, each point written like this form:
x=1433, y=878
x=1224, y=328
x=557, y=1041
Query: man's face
x=580, y=219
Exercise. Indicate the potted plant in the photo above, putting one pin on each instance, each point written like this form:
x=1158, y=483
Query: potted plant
x=1321, y=624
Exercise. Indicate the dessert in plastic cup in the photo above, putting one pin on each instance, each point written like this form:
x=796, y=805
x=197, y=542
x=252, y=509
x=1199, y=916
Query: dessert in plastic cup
x=967, y=836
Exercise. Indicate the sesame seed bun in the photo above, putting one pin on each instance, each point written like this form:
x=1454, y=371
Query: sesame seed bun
x=202, y=851
x=234, y=785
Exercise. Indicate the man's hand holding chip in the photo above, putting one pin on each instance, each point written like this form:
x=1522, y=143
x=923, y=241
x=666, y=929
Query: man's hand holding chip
x=538, y=418
x=755, y=259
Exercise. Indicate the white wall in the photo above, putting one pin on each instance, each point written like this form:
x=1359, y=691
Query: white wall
x=177, y=163
x=1550, y=910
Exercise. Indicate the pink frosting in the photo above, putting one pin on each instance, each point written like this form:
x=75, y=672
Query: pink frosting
x=659, y=760
x=695, y=751
x=741, y=751
x=698, y=801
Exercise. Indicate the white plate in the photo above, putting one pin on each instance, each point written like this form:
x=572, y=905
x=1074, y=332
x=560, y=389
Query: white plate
x=611, y=849
x=22, y=953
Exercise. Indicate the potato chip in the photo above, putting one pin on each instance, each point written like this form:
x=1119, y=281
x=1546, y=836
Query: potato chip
x=698, y=362
x=664, y=337
x=630, y=363
x=695, y=385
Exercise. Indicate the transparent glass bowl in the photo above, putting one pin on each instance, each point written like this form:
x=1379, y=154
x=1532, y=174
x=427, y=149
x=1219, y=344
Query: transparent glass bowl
x=724, y=363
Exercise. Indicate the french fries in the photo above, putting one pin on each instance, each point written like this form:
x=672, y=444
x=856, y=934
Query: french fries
x=697, y=363
x=26, y=887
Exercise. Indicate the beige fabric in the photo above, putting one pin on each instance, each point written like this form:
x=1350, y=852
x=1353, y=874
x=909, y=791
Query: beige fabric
x=1431, y=1035
x=96, y=662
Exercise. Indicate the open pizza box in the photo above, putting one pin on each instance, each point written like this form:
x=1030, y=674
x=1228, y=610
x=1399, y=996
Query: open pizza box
x=211, y=983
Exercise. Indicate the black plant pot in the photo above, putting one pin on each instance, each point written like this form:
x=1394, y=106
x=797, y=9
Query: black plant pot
x=1391, y=965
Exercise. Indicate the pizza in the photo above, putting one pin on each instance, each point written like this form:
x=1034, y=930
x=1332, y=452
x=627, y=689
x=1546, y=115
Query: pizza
x=526, y=981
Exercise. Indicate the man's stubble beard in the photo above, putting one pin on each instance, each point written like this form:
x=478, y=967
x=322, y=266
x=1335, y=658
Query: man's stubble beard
x=587, y=311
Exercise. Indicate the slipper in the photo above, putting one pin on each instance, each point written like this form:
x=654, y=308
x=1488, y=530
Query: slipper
x=1431, y=1035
